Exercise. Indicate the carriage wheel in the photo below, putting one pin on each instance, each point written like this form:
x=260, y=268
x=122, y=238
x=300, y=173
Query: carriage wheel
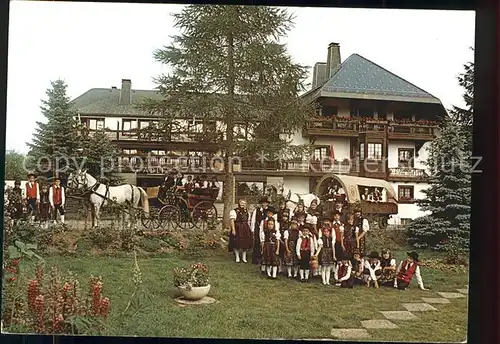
x=150, y=221
x=168, y=217
x=205, y=215
x=185, y=219
x=382, y=222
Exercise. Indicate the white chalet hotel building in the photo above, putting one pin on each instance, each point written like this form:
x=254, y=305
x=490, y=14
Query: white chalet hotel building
x=371, y=123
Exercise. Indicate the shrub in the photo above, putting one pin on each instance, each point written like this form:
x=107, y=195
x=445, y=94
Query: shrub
x=103, y=236
x=378, y=239
x=196, y=275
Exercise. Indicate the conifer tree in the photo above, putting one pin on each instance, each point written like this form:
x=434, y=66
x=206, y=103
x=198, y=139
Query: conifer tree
x=448, y=199
x=229, y=64
x=14, y=165
x=101, y=156
x=56, y=142
x=464, y=116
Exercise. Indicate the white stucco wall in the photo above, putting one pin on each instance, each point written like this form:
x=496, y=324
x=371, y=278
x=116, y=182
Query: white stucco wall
x=341, y=146
x=418, y=162
x=299, y=185
x=409, y=211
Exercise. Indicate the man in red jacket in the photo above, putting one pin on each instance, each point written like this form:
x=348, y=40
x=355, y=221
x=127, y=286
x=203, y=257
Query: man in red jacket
x=406, y=270
x=32, y=196
x=57, y=199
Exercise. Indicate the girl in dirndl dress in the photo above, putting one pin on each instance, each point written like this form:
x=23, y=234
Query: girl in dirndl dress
x=241, y=239
x=326, y=254
x=350, y=233
x=306, y=248
x=291, y=236
x=388, y=264
x=270, y=247
x=284, y=225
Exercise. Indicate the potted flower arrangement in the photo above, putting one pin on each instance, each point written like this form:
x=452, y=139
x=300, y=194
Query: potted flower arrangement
x=192, y=282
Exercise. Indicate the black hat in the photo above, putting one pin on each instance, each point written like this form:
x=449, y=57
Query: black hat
x=327, y=218
x=264, y=199
x=307, y=226
x=31, y=174
x=357, y=210
x=57, y=178
x=300, y=202
x=17, y=182
x=270, y=209
x=413, y=255
x=294, y=221
x=336, y=212
x=374, y=255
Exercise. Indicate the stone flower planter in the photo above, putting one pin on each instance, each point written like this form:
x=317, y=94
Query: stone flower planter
x=196, y=293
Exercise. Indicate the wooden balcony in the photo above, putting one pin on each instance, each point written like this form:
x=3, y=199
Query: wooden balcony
x=407, y=174
x=179, y=137
x=332, y=126
x=415, y=131
x=351, y=127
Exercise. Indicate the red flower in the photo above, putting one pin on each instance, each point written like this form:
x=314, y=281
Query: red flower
x=12, y=279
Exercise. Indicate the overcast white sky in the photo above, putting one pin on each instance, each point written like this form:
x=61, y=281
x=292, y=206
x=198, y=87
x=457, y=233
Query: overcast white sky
x=94, y=45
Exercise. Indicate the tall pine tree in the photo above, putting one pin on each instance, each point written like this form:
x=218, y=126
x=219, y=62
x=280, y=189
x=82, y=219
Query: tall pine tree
x=464, y=116
x=229, y=65
x=56, y=142
x=448, y=199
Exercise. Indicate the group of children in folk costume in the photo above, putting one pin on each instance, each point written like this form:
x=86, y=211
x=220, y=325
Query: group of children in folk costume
x=41, y=201
x=298, y=246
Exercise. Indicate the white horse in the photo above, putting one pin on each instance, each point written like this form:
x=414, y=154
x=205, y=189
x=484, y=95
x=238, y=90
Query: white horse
x=294, y=198
x=102, y=195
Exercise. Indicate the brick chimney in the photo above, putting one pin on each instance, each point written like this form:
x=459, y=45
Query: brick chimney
x=333, y=59
x=126, y=92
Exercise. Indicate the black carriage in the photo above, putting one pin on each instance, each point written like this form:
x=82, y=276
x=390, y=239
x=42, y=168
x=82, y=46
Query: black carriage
x=178, y=207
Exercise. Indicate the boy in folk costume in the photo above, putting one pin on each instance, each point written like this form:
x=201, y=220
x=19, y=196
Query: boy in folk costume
x=358, y=265
x=270, y=247
x=291, y=236
x=363, y=228
x=326, y=254
x=45, y=206
x=258, y=214
x=57, y=199
x=372, y=270
x=338, y=227
x=388, y=264
x=343, y=273
x=240, y=240
x=406, y=270
x=306, y=248
x=32, y=196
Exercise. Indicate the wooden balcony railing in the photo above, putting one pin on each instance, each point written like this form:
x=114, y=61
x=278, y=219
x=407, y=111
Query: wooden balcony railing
x=132, y=135
x=407, y=172
x=352, y=126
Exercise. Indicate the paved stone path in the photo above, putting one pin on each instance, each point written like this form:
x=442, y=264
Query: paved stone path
x=403, y=315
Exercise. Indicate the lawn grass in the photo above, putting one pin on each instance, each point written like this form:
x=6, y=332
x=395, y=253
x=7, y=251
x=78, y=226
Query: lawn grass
x=251, y=306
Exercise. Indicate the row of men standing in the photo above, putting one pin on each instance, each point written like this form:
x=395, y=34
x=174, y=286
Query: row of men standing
x=41, y=201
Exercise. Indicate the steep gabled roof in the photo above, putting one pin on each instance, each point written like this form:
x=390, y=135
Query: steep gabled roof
x=358, y=77
x=106, y=101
